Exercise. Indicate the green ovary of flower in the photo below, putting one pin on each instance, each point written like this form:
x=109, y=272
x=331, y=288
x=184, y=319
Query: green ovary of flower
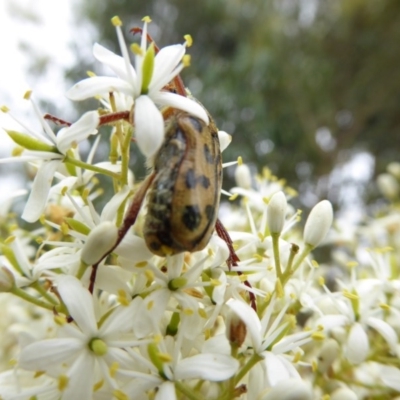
x=177, y=283
x=147, y=69
x=98, y=346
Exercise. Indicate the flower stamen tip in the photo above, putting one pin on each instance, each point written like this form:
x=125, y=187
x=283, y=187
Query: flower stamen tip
x=136, y=49
x=116, y=21
x=189, y=40
x=186, y=60
x=146, y=19
x=27, y=95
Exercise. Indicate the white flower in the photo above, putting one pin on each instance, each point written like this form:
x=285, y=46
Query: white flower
x=144, y=84
x=264, y=334
x=276, y=212
x=48, y=150
x=175, y=366
x=85, y=351
x=318, y=223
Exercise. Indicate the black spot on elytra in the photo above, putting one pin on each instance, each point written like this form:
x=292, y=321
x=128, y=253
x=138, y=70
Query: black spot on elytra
x=190, y=179
x=191, y=217
x=196, y=124
x=207, y=154
x=210, y=211
x=205, y=182
x=155, y=246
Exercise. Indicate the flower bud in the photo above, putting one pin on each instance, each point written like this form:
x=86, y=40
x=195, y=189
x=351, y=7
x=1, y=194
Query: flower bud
x=224, y=139
x=327, y=355
x=318, y=223
x=388, y=186
x=235, y=329
x=243, y=176
x=7, y=280
x=343, y=394
x=290, y=389
x=276, y=212
x=100, y=241
x=394, y=169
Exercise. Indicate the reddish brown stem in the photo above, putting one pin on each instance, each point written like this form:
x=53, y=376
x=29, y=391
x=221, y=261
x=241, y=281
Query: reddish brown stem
x=56, y=120
x=129, y=220
x=114, y=117
x=233, y=258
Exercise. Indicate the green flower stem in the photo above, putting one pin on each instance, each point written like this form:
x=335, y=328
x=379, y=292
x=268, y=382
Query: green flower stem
x=232, y=381
x=293, y=252
x=254, y=359
x=24, y=295
x=91, y=167
x=289, y=272
x=82, y=269
x=275, y=246
x=125, y=147
x=188, y=392
x=40, y=289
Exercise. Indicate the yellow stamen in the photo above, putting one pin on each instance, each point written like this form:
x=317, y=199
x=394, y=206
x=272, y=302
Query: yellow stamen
x=27, y=94
x=189, y=40
x=116, y=21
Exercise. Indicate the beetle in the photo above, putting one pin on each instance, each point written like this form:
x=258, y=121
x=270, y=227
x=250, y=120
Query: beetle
x=183, y=199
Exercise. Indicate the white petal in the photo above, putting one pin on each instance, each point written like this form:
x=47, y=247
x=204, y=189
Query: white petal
x=113, y=279
x=48, y=354
x=113, y=61
x=149, y=126
x=276, y=371
x=291, y=389
x=110, y=210
x=166, y=392
x=357, y=344
x=385, y=330
x=79, y=303
x=164, y=64
x=213, y=367
x=224, y=139
x=329, y=322
x=80, y=385
x=101, y=239
x=134, y=249
x=77, y=132
x=40, y=189
x=217, y=344
x=181, y=103
x=250, y=318
x=390, y=377
x=218, y=293
x=98, y=85
x=120, y=320
x=318, y=223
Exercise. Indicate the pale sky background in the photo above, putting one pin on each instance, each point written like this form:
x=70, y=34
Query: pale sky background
x=47, y=28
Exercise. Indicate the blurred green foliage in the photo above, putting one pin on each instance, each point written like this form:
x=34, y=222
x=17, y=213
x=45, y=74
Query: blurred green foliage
x=301, y=85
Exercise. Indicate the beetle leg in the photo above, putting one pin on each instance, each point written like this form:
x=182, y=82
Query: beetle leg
x=129, y=220
x=115, y=117
x=233, y=258
x=56, y=120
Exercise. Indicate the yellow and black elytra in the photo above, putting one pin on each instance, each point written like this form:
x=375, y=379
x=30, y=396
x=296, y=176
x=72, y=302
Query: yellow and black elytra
x=184, y=197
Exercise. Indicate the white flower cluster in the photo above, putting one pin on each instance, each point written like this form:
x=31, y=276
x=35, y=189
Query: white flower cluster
x=82, y=318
